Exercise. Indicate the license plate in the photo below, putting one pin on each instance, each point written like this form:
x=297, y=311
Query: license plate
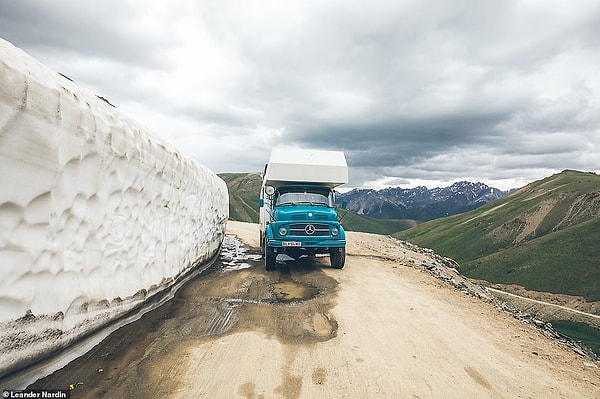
x=291, y=243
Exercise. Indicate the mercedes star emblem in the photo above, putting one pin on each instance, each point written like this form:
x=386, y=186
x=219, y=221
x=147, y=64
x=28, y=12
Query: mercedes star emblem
x=309, y=229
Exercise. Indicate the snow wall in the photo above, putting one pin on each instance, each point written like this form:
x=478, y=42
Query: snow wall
x=97, y=214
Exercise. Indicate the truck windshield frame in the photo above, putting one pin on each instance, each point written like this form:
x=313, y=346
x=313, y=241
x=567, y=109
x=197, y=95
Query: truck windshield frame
x=293, y=196
x=303, y=198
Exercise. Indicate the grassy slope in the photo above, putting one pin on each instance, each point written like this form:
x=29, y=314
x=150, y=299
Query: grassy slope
x=244, y=191
x=560, y=255
x=354, y=222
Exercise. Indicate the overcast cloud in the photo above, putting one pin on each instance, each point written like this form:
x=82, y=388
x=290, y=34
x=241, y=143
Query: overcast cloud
x=414, y=92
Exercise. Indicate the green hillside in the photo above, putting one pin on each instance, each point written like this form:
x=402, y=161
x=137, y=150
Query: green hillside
x=244, y=191
x=354, y=222
x=543, y=237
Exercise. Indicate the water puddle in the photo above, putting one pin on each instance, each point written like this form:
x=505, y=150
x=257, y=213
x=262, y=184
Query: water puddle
x=234, y=255
x=288, y=289
x=292, y=304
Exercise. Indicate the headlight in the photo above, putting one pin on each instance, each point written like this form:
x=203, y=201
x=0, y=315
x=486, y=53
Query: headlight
x=334, y=231
x=282, y=231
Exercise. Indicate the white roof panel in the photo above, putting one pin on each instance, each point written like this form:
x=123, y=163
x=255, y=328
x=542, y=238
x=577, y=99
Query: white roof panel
x=307, y=166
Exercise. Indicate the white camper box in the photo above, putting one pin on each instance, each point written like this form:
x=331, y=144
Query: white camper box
x=328, y=168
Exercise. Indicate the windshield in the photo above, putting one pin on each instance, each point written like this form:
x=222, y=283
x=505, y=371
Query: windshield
x=303, y=198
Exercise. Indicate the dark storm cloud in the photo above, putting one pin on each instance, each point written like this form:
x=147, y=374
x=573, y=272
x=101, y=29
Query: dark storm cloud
x=399, y=141
x=412, y=91
x=105, y=30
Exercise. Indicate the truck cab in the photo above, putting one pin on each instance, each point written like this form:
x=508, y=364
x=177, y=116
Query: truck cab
x=297, y=206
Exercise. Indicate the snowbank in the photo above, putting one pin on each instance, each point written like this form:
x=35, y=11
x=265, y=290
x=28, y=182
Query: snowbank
x=96, y=213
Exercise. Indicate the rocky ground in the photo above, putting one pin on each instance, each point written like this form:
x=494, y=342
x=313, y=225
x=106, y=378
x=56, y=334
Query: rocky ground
x=397, y=321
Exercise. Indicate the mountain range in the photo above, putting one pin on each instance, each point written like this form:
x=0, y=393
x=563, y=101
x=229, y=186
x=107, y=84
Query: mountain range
x=420, y=203
x=383, y=211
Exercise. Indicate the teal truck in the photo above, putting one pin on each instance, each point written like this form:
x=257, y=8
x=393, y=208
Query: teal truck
x=297, y=205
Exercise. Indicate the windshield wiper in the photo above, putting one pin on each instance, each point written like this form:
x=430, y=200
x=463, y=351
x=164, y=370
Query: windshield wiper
x=312, y=203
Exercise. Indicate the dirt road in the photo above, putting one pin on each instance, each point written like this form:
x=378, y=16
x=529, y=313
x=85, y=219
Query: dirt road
x=379, y=328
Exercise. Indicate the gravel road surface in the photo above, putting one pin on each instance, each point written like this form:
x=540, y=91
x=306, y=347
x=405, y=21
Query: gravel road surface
x=379, y=328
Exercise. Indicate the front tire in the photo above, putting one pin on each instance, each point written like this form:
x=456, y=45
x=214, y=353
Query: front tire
x=337, y=257
x=270, y=258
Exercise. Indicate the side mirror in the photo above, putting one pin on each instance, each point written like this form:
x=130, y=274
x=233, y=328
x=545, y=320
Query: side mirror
x=344, y=204
x=261, y=203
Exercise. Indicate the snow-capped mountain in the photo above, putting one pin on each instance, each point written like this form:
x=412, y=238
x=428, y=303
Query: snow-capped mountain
x=419, y=203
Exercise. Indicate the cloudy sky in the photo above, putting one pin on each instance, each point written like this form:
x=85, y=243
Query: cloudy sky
x=415, y=92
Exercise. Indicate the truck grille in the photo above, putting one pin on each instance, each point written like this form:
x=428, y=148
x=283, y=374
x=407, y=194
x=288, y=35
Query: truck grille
x=301, y=216
x=304, y=229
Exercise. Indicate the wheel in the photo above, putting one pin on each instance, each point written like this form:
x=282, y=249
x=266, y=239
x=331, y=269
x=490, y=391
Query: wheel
x=270, y=258
x=337, y=257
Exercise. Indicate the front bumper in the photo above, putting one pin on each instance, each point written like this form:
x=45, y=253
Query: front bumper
x=297, y=237
x=293, y=242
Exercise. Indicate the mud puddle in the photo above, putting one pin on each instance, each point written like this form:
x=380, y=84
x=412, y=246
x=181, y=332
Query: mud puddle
x=236, y=294
x=289, y=291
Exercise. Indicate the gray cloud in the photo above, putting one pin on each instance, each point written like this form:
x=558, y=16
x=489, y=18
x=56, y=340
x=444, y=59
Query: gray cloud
x=413, y=92
x=111, y=30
